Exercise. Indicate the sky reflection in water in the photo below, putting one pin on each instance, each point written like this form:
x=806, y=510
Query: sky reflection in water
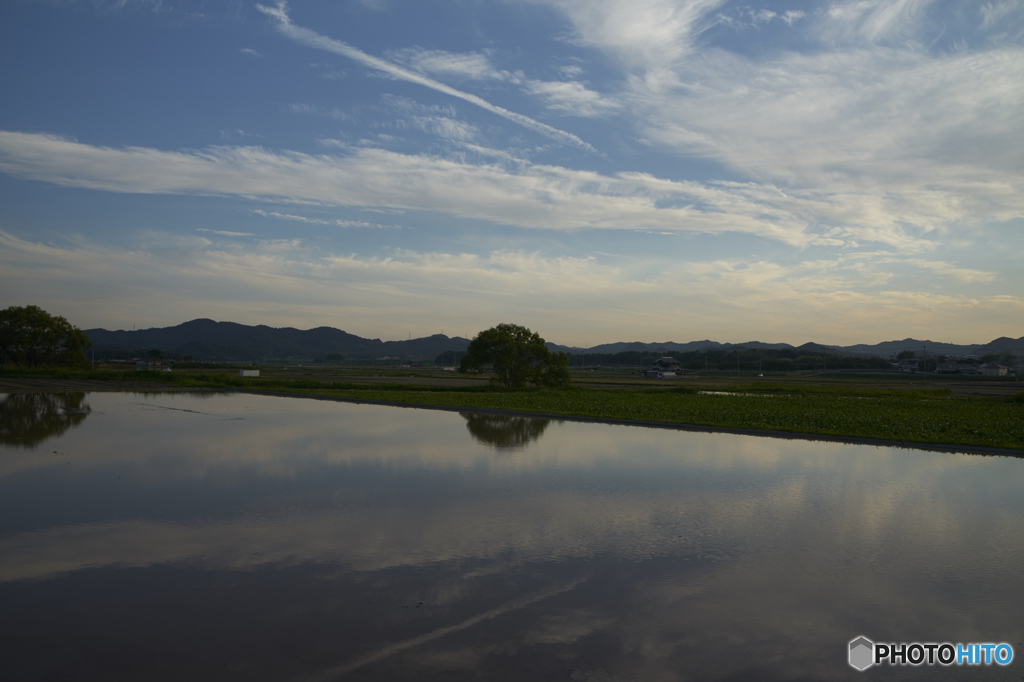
x=171, y=536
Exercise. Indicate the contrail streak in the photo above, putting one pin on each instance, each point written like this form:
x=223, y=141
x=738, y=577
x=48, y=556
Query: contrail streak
x=398, y=647
x=313, y=39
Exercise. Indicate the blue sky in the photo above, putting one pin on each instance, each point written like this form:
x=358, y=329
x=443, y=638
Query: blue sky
x=597, y=170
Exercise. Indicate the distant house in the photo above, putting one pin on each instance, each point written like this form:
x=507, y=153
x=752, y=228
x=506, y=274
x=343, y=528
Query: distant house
x=957, y=368
x=664, y=368
x=995, y=370
x=153, y=365
x=908, y=365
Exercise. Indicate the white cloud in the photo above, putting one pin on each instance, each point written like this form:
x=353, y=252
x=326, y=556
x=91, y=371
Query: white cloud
x=649, y=35
x=533, y=196
x=926, y=140
x=993, y=14
x=571, y=97
x=320, y=221
x=285, y=282
x=747, y=17
x=873, y=20
x=885, y=138
x=312, y=39
x=963, y=275
x=839, y=211
x=1004, y=20
x=447, y=128
x=332, y=112
x=471, y=65
x=225, y=233
x=792, y=16
x=249, y=51
x=433, y=119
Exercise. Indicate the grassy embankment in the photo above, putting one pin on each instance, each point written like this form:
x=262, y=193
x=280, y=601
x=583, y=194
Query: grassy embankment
x=919, y=416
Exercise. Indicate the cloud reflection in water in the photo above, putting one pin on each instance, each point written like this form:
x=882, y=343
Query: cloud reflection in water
x=706, y=556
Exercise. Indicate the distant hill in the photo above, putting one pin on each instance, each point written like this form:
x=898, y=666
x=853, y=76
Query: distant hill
x=229, y=341
x=667, y=346
x=1001, y=345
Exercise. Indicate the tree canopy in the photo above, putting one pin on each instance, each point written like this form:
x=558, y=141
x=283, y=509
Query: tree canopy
x=517, y=356
x=31, y=337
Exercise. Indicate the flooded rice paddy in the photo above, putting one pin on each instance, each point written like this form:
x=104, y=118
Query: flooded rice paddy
x=223, y=537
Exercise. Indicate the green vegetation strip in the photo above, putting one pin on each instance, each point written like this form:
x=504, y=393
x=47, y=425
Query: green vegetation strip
x=919, y=416
x=983, y=422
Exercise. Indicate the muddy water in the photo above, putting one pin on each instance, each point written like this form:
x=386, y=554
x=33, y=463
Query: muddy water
x=220, y=537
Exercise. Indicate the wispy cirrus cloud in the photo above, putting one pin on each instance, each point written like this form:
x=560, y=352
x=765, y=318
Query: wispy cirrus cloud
x=321, y=221
x=936, y=134
x=332, y=112
x=648, y=35
x=873, y=20
x=519, y=194
x=746, y=17
x=437, y=120
x=464, y=65
x=568, y=97
x=1002, y=21
x=922, y=136
x=225, y=233
x=572, y=98
x=524, y=195
x=963, y=275
x=313, y=39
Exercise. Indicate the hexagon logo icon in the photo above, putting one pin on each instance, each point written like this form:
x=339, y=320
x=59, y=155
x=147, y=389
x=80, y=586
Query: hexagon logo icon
x=862, y=653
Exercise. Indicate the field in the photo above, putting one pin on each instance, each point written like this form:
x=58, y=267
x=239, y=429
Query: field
x=964, y=411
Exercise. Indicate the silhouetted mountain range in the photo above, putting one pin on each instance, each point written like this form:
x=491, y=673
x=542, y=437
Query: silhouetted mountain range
x=1001, y=345
x=228, y=341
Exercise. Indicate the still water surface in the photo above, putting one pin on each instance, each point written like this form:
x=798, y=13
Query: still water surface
x=221, y=537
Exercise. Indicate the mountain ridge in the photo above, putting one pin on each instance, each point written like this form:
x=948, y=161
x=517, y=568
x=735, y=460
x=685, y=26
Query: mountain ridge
x=207, y=339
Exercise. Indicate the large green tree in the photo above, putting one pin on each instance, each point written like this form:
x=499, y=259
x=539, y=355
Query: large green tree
x=31, y=337
x=517, y=356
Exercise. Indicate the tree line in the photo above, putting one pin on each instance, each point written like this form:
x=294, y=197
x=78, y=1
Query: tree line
x=31, y=337
x=749, y=359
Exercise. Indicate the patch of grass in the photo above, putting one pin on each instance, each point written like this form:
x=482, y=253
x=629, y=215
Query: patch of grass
x=985, y=422
x=812, y=389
